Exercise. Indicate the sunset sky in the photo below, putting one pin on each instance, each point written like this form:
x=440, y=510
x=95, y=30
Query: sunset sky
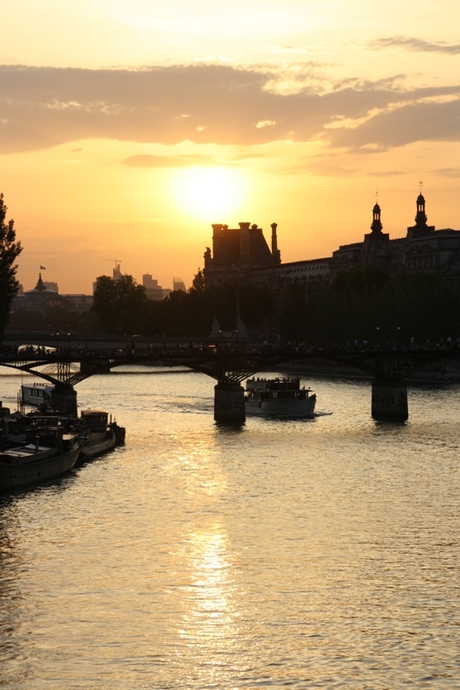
x=128, y=128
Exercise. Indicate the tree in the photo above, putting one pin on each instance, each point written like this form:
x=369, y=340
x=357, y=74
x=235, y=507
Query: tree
x=114, y=299
x=9, y=252
x=371, y=278
x=294, y=323
x=257, y=307
x=198, y=284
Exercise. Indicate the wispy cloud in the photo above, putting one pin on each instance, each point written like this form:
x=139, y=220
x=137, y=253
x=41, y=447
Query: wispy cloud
x=415, y=45
x=385, y=173
x=448, y=172
x=154, y=161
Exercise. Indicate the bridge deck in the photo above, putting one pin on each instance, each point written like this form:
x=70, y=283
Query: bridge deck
x=230, y=364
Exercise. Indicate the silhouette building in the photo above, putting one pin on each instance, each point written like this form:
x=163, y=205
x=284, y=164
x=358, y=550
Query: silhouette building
x=237, y=251
x=178, y=284
x=42, y=299
x=244, y=254
x=152, y=289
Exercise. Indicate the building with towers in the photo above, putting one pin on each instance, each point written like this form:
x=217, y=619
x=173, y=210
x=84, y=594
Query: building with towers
x=423, y=249
x=244, y=254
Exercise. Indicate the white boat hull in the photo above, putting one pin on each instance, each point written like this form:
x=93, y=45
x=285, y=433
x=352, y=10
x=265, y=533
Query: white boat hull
x=280, y=397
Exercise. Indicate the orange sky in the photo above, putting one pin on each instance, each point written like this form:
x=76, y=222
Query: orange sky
x=128, y=129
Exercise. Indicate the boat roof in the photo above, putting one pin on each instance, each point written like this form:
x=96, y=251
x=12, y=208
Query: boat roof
x=37, y=384
x=22, y=451
x=85, y=413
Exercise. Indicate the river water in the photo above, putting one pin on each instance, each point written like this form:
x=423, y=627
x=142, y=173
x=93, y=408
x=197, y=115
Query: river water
x=306, y=554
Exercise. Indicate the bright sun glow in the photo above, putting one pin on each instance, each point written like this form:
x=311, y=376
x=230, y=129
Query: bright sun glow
x=210, y=194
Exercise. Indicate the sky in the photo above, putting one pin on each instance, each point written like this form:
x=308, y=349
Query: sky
x=128, y=128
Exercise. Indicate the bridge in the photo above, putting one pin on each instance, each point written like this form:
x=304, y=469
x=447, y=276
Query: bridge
x=228, y=364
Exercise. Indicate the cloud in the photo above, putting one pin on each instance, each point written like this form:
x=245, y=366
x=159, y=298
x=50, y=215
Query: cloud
x=330, y=169
x=45, y=107
x=151, y=161
x=386, y=173
x=265, y=123
x=418, y=121
x=415, y=45
x=453, y=173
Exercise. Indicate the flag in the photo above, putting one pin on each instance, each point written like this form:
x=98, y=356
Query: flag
x=42, y=268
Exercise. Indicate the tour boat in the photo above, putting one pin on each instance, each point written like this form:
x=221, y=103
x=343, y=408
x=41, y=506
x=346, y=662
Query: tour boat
x=279, y=397
x=48, y=453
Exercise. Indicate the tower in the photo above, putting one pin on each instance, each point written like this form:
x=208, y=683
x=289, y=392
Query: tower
x=376, y=226
x=375, y=247
x=420, y=217
x=421, y=228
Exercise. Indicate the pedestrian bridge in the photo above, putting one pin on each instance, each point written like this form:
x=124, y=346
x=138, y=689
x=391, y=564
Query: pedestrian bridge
x=229, y=365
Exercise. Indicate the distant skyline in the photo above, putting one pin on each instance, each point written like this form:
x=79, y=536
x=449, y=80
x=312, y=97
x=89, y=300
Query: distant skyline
x=126, y=129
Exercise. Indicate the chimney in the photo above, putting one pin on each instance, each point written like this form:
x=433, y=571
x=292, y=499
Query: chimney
x=245, y=246
x=275, y=250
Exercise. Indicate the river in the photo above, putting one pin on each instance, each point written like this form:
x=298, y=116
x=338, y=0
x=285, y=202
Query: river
x=305, y=554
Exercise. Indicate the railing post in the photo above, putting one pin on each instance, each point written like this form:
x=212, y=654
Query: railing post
x=389, y=401
x=229, y=403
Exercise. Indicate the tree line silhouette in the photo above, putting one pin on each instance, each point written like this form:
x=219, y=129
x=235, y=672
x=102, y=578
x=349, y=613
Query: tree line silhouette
x=364, y=303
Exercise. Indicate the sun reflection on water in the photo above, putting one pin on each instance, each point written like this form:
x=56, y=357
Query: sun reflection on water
x=210, y=617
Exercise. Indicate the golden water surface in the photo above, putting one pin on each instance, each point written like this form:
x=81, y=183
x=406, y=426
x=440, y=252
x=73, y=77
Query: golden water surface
x=307, y=554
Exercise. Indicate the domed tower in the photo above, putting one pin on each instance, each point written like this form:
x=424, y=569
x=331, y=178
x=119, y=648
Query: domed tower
x=421, y=228
x=420, y=217
x=375, y=246
x=376, y=226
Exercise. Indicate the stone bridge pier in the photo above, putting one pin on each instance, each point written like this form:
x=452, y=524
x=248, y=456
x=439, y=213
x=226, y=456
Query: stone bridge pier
x=229, y=403
x=389, y=401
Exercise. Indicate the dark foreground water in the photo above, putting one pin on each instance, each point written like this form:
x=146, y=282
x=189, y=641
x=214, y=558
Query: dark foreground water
x=308, y=554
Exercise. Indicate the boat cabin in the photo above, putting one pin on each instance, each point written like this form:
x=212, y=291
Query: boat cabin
x=37, y=394
x=96, y=420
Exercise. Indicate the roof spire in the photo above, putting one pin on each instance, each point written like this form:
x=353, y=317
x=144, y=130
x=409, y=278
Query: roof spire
x=40, y=284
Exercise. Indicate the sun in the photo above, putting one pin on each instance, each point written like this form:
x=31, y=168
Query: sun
x=209, y=193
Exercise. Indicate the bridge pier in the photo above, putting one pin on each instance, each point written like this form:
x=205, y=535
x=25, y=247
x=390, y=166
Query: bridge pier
x=229, y=403
x=389, y=401
x=95, y=367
